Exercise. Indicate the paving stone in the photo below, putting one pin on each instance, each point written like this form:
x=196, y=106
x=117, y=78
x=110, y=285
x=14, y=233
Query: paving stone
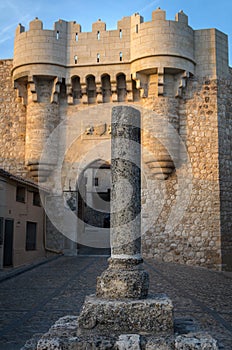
x=198, y=294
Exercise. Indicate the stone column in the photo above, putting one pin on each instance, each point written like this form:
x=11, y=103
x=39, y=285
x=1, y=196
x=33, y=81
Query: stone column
x=120, y=307
x=126, y=183
x=125, y=277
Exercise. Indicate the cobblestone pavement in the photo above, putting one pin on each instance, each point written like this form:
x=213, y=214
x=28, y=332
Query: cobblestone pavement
x=32, y=301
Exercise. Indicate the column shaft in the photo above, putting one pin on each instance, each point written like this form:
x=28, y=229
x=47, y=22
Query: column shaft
x=125, y=276
x=126, y=183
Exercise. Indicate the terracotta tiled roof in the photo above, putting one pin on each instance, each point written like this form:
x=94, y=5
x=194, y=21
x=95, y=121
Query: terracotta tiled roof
x=21, y=180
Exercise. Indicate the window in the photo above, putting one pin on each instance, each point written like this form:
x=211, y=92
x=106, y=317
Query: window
x=136, y=28
x=98, y=35
x=31, y=235
x=76, y=37
x=98, y=57
x=120, y=33
x=57, y=35
x=120, y=56
x=96, y=182
x=21, y=194
x=36, y=199
x=75, y=59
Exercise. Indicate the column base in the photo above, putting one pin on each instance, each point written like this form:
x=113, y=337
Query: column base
x=149, y=316
x=124, y=278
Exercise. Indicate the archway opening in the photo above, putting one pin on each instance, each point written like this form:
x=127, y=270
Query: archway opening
x=93, y=209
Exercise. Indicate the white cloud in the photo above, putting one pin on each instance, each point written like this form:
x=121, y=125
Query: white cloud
x=7, y=28
x=156, y=2
x=12, y=16
x=2, y=40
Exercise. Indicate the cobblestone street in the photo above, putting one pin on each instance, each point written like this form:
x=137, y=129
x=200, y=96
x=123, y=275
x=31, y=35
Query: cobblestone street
x=33, y=300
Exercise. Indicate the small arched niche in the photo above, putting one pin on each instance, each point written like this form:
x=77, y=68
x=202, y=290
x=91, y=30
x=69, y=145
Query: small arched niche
x=91, y=88
x=76, y=89
x=121, y=87
x=106, y=88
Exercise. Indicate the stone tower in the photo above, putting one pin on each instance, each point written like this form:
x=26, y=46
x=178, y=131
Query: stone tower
x=180, y=78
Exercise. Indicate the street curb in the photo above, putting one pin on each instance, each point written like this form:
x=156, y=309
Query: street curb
x=23, y=269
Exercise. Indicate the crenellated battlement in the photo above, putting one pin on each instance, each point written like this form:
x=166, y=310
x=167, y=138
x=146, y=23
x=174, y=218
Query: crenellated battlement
x=134, y=48
x=66, y=45
x=137, y=60
x=136, y=18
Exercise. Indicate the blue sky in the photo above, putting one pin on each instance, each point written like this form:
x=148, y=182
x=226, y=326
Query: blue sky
x=202, y=14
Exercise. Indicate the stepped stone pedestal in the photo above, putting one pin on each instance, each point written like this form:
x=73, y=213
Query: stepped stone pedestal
x=122, y=315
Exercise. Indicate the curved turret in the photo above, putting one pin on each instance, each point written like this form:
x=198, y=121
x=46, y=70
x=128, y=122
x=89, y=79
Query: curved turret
x=40, y=51
x=161, y=43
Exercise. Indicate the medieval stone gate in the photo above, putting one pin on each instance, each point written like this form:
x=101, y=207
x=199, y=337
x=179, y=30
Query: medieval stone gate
x=179, y=76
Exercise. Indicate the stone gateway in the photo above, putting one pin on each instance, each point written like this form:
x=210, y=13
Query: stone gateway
x=180, y=81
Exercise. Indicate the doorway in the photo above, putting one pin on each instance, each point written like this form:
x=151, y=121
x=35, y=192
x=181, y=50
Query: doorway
x=8, y=243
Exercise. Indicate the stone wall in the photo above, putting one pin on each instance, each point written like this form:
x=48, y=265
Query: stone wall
x=54, y=239
x=225, y=166
x=188, y=232
x=12, y=123
x=201, y=138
